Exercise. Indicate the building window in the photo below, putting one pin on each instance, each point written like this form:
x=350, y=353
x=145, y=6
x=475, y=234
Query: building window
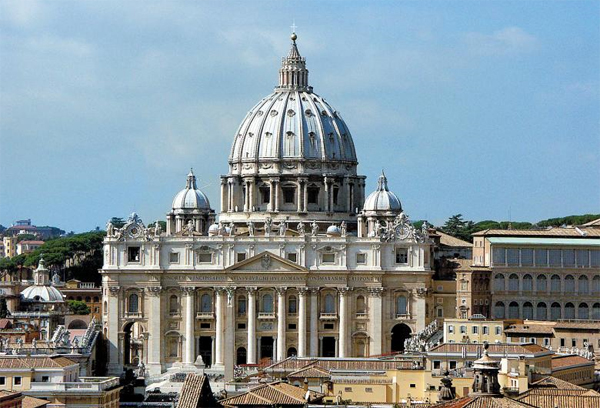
x=133, y=306
x=555, y=284
x=499, y=282
x=45, y=378
x=2, y=380
x=485, y=330
x=498, y=330
x=17, y=380
x=526, y=257
x=369, y=390
x=569, y=284
x=206, y=303
x=241, y=306
x=240, y=256
x=440, y=312
x=328, y=326
x=475, y=330
x=265, y=193
x=360, y=304
x=292, y=326
x=267, y=303
x=401, y=255
x=513, y=283
x=335, y=193
x=329, y=303
x=133, y=254
x=173, y=305
x=499, y=256
x=205, y=325
x=463, y=329
x=313, y=195
x=554, y=256
x=291, y=256
x=450, y=328
x=347, y=389
x=573, y=342
x=205, y=257
x=562, y=342
x=289, y=194
x=328, y=258
x=583, y=286
x=361, y=259
x=528, y=283
x=452, y=365
x=174, y=257
x=241, y=326
x=292, y=305
x=173, y=347
x=401, y=305
x=437, y=364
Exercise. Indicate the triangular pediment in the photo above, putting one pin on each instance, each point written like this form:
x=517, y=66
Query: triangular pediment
x=266, y=262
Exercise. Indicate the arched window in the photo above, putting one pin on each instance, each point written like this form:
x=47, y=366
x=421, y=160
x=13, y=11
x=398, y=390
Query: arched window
x=206, y=303
x=584, y=286
x=513, y=310
x=292, y=305
x=555, y=312
x=329, y=303
x=596, y=284
x=241, y=306
x=96, y=299
x=401, y=305
x=360, y=304
x=541, y=285
x=133, y=303
x=569, y=284
x=513, y=283
x=88, y=299
x=528, y=283
x=583, y=312
x=267, y=303
x=569, y=311
x=499, y=310
x=499, y=282
x=542, y=311
x=173, y=304
x=596, y=311
x=527, y=310
x=555, y=284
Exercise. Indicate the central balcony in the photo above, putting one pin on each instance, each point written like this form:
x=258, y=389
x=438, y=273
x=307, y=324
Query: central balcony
x=328, y=316
x=205, y=315
x=266, y=315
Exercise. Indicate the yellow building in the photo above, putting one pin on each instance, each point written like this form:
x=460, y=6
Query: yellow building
x=473, y=331
x=10, y=246
x=444, y=298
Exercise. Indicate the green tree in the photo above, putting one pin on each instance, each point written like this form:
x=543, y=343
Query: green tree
x=78, y=307
x=26, y=237
x=117, y=222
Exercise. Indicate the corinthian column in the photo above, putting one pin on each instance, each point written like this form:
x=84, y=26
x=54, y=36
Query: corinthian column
x=343, y=333
x=188, y=295
x=281, y=343
x=219, y=327
x=302, y=322
x=154, y=365
x=375, y=320
x=112, y=318
x=314, y=322
x=251, y=325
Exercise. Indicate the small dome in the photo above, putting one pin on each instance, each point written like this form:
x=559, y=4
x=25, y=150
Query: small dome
x=334, y=230
x=191, y=198
x=43, y=294
x=382, y=199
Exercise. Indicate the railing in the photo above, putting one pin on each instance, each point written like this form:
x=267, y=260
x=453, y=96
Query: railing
x=402, y=316
x=87, y=384
x=133, y=315
x=459, y=372
x=205, y=315
x=266, y=315
x=328, y=316
x=87, y=285
x=362, y=315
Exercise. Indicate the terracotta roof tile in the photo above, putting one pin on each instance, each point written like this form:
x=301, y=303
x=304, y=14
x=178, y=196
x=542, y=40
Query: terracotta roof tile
x=550, y=232
x=560, y=398
x=34, y=362
x=551, y=382
x=482, y=402
x=191, y=391
x=277, y=393
x=494, y=349
x=292, y=364
x=310, y=372
x=30, y=402
x=561, y=362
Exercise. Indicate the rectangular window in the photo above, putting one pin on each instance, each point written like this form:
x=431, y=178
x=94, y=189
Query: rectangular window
x=17, y=380
x=583, y=258
x=568, y=257
x=328, y=326
x=554, y=257
x=573, y=342
x=174, y=257
x=291, y=256
x=45, y=378
x=328, y=258
x=313, y=195
x=288, y=195
x=240, y=256
x=475, y=329
x=437, y=364
x=463, y=329
x=541, y=257
x=369, y=390
x=595, y=257
x=241, y=325
x=205, y=325
x=450, y=328
x=498, y=330
x=401, y=255
x=133, y=254
x=452, y=365
x=204, y=258
x=292, y=326
x=499, y=256
x=546, y=341
x=335, y=193
x=562, y=342
x=2, y=380
x=526, y=257
x=413, y=386
x=512, y=256
x=485, y=330
x=440, y=312
x=361, y=259
x=347, y=389
x=265, y=194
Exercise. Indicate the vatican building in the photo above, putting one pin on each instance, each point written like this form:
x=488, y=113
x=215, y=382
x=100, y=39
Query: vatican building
x=303, y=257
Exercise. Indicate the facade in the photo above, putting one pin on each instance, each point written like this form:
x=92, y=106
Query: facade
x=10, y=246
x=473, y=297
x=27, y=246
x=473, y=331
x=86, y=292
x=299, y=263
x=547, y=274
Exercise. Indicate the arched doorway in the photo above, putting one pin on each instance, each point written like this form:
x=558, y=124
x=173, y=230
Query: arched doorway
x=292, y=352
x=77, y=324
x=400, y=333
x=240, y=357
x=133, y=345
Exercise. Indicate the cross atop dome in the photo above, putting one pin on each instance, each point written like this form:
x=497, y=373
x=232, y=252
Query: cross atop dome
x=382, y=182
x=191, y=180
x=293, y=74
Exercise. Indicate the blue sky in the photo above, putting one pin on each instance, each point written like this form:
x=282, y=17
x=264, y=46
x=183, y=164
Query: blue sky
x=474, y=107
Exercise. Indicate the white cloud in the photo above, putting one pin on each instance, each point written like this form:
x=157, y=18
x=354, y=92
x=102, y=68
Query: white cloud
x=509, y=40
x=21, y=13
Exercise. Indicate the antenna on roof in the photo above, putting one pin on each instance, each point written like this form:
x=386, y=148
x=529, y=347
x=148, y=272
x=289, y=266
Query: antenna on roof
x=509, y=217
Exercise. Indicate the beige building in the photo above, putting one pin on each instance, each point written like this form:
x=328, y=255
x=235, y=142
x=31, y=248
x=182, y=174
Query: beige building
x=443, y=299
x=10, y=246
x=27, y=246
x=473, y=331
x=549, y=274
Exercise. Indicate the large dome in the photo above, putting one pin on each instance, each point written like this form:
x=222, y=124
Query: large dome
x=293, y=128
x=42, y=294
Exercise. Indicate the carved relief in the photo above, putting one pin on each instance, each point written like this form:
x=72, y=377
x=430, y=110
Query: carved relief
x=114, y=290
x=154, y=290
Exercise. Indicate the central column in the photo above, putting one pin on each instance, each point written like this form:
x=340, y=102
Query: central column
x=229, y=335
x=302, y=322
x=112, y=319
x=251, y=325
x=154, y=327
x=188, y=294
x=281, y=349
x=375, y=321
x=219, y=327
x=305, y=199
x=314, y=322
x=326, y=194
x=343, y=333
x=271, y=205
x=277, y=188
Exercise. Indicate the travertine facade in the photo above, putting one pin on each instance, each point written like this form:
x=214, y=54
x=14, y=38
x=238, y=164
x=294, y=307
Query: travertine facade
x=300, y=263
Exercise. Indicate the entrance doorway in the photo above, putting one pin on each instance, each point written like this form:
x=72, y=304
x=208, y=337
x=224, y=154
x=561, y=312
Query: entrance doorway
x=400, y=333
x=205, y=349
x=240, y=356
x=328, y=347
x=266, y=347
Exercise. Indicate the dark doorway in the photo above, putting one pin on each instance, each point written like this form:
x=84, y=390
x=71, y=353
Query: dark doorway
x=328, y=347
x=400, y=333
x=240, y=357
x=266, y=347
x=292, y=352
x=127, y=344
x=205, y=349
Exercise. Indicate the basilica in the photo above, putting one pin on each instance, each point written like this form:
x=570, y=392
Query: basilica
x=298, y=261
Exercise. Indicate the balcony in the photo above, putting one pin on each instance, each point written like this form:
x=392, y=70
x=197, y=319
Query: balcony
x=205, y=315
x=402, y=316
x=133, y=315
x=362, y=315
x=86, y=385
x=328, y=316
x=266, y=315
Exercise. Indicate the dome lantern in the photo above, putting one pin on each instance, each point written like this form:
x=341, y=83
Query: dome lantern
x=293, y=74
